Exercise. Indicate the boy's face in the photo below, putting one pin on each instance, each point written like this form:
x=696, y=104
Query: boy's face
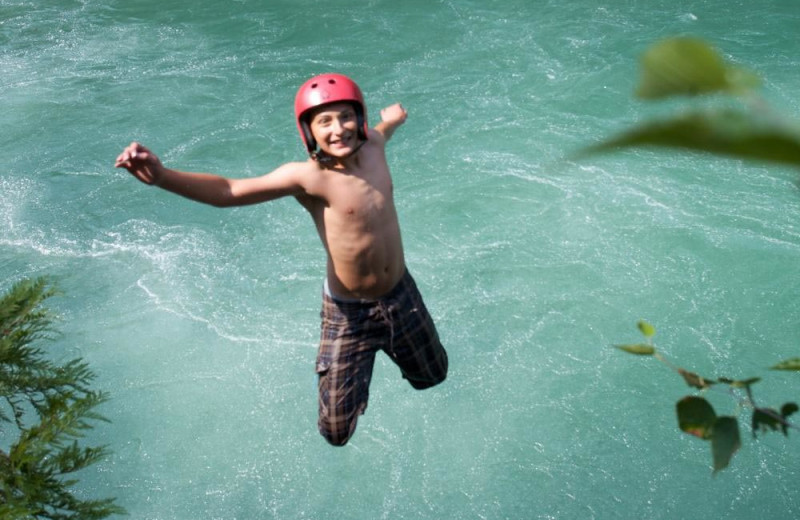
x=335, y=128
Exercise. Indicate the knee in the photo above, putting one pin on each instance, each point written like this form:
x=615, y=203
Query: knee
x=337, y=429
x=334, y=438
x=428, y=383
x=436, y=374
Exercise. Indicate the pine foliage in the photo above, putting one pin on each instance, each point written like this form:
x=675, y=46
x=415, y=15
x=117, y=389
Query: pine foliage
x=44, y=410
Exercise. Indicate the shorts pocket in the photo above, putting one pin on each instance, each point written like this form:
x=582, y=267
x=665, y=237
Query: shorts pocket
x=322, y=366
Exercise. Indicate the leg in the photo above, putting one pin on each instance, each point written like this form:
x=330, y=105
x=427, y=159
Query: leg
x=344, y=365
x=343, y=396
x=415, y=345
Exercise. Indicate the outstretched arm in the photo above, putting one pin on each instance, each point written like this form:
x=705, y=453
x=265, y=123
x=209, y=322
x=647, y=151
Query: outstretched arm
x=207, y=188
x=391, y=118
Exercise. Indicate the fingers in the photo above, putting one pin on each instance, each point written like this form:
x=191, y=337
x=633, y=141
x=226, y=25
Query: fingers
x=140, y=162
x=130, y=153
x=134, y=155
x=396, y=109
x=124, y=158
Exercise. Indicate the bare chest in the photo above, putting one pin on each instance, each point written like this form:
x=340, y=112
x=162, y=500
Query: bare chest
x=357, y=198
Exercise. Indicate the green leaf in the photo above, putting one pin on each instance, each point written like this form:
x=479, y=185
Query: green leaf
x=788, y=409
x=789, y=364
x=695, y=380
x=743, y=383
x=696, y=416
x=765, y=420
x=689, y=66
x=768, y=419
x=725, y=441
x=646, y=329
x=640, y=349
x=728, y=132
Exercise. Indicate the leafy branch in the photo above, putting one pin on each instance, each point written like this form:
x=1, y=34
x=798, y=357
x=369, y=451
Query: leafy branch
x=746, y=129
x=47, y=407
x=691, y=67
x=697, y=417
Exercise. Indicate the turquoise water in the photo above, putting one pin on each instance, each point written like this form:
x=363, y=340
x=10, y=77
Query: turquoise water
x=202, y=323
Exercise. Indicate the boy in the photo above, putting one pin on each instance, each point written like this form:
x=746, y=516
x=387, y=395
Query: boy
x=370, y=301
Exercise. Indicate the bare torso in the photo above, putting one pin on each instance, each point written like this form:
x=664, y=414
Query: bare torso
x=353, y=209
x=349, y=197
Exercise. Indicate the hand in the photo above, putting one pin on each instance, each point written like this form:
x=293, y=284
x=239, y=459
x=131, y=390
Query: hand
x=394, y=114
x=141, y=163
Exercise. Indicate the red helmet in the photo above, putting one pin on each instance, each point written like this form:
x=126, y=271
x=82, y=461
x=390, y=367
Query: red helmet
x=322, y=90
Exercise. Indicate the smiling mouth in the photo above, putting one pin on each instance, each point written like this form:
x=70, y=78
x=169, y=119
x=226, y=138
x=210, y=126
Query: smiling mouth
x=339, y=150
x=342, y=143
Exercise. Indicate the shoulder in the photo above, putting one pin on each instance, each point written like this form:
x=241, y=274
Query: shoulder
x=297, y=167
x=298, y=172
x=309, y=174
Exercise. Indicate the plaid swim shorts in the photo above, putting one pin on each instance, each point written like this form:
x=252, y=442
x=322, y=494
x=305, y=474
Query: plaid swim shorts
x=353, y=332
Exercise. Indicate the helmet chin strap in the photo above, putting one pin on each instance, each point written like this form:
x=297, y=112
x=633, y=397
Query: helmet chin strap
x=322, y=157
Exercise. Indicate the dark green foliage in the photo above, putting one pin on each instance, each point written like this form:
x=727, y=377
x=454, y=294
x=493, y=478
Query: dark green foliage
x=725, y=441
x=46, y=407
x=694, y=380
x=640, y=349
x=736, y=133
x=697, y=417
x=790, y=364
x=767, y=419
x=690, y=67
